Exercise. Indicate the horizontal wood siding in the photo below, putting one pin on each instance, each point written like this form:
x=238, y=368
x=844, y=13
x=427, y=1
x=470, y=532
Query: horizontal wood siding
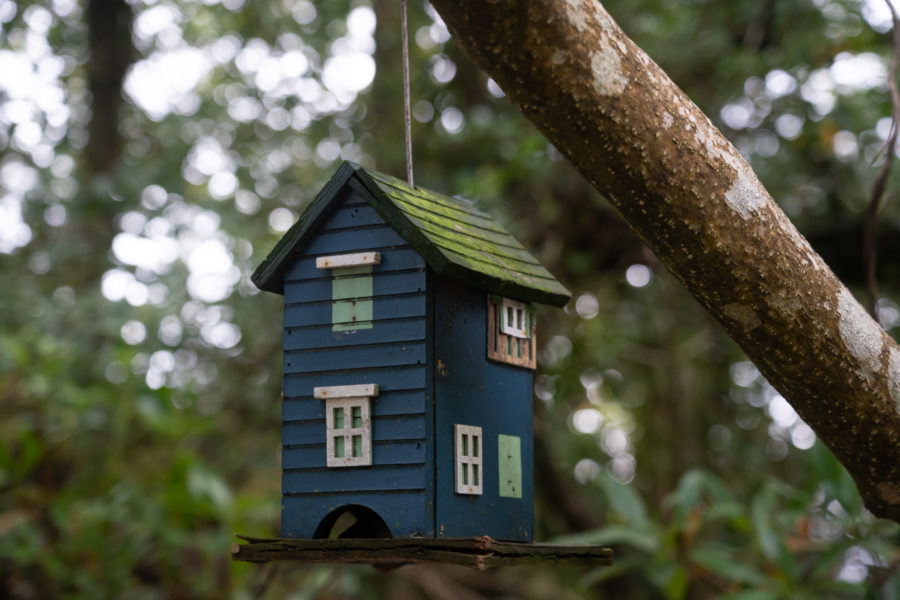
x=385, y=453
x=380, y=478
x=369, y=238
x=384, y=308
x=401, y=511
x=389, y=352
x=361, y=357
x=497, y=397
x=407, y=427
x=397, y=259
x=397, y=378
x=387, y=284
x=400, y=330
x=388, y=403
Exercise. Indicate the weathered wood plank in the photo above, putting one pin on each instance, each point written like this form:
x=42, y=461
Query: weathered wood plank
x=406, y=427
x=360, y=357
x=387, y=307
x=395, y=259
x=342, y=261
x=387, y=404
x=330, y=242
x=388, y=477
x=383, y=284
x=479, y=553
x=383, y=453
x=347, y=216
x=401, y=330
x=388, y=379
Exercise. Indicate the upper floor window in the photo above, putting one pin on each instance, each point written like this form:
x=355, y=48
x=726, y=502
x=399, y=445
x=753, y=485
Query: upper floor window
x=515, y=319
x=511, y=332
x=351, y=289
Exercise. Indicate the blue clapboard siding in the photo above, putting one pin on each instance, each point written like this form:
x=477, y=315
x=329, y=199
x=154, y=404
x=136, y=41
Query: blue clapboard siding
x=494, y=396
x=366, y=238
x=352, y=215
x=362, y=357
x=392, y=354
x=383, y=308
x=407, y=427
x=396, y=378
x=403, y=512
x=388, y=477
x=387, y=404
x=396, y=259
x=385, y=284
x=398, y=330
x=384, y=453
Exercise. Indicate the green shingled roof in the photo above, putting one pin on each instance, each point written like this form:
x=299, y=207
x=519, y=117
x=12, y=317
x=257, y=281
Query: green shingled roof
x=457, y=240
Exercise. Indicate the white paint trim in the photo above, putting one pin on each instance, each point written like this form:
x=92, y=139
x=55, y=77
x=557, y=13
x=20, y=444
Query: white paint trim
x=519, y=311
x=338, y=261
x=369, y=390
x=469, y=465
x=346, y=433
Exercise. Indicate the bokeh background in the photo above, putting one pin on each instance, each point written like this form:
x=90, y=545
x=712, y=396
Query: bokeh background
x=153, y=151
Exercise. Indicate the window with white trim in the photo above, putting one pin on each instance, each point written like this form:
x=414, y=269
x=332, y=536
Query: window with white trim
x=510, y=332
x=515, y=319
x=351, y=288
x=469, y=472
x=348, y=424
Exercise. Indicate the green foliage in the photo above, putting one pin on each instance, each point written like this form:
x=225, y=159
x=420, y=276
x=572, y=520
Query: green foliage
x=139, y=368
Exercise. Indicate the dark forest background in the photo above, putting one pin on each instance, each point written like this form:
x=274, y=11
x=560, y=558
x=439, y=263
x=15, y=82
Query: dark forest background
x=152, y=153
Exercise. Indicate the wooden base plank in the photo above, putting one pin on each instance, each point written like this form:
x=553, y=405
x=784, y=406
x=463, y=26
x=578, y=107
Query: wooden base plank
x=478, y=552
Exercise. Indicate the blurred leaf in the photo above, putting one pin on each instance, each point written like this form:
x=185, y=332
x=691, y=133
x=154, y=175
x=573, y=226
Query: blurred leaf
x=624, y=501
x=770, y=540
x=618, y=568
x=752, y=595
x=719, y=560
x=646, y=539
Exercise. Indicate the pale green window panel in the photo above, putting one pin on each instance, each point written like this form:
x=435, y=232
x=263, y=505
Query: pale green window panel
x=509, y=454
x=351, y=291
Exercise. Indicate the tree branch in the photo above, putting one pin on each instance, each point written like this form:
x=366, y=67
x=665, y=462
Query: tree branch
x=692, y=198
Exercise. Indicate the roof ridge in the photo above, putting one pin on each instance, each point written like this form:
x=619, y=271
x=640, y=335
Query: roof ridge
x=387, y=196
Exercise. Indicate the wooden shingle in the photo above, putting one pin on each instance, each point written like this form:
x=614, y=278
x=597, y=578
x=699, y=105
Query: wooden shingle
x=457, y=240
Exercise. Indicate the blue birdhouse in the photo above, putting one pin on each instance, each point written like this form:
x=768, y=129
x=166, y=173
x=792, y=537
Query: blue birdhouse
x=409, y=349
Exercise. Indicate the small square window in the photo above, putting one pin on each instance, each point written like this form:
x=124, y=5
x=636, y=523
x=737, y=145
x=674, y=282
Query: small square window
x=515, y=320
x=468, y=459
x=511, y=332
x=349, y=441
x=348, y=424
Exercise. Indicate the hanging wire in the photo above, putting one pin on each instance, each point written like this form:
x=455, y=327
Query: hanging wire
x=406, y=111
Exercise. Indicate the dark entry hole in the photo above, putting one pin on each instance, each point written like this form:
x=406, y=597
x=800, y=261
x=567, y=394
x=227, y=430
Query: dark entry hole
x=352, y=521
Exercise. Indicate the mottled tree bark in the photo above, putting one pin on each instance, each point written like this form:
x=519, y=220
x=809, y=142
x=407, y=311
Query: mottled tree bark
x=698, y=205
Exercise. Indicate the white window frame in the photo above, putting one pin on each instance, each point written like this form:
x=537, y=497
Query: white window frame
x=469, y=469
x=519, y=312
x=346, y=398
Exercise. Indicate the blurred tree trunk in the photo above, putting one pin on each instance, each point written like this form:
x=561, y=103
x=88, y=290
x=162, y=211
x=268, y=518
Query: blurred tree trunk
x=111, y=52
x=601, y=101
x=91, y=229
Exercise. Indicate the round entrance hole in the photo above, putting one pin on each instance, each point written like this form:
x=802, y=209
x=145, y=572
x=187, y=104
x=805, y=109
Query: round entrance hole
x=352, y=521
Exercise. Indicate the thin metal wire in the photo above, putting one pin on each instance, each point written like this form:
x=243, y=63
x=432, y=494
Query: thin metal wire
x=406, y=110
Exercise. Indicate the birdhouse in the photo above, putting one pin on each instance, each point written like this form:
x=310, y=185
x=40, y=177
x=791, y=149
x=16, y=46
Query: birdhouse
x=409, y=349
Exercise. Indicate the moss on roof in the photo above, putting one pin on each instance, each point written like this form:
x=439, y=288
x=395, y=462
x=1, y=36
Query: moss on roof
x=457, y=240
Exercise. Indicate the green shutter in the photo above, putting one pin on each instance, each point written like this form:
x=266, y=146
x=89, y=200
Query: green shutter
x=509, y=454
x=351, y=291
